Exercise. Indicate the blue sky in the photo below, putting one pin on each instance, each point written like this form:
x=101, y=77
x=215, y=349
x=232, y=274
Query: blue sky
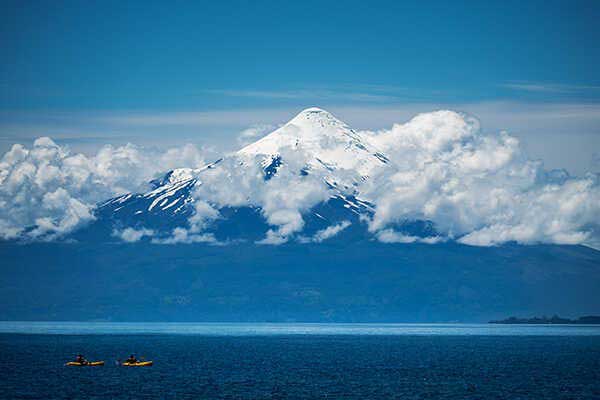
x=150, y=72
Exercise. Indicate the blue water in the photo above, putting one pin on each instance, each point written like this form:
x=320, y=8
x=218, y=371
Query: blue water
x=280, y=361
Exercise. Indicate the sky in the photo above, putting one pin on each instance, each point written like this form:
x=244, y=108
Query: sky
x=155, y=73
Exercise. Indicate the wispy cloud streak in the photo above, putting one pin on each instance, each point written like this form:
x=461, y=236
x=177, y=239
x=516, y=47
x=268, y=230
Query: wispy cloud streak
x=556, y=88
x=321, y=94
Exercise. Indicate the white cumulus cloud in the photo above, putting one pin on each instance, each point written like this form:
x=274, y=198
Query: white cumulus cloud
x=46, y=191
x=239, y=181
x=479, y=189
x=391, y=236
x=132, y=235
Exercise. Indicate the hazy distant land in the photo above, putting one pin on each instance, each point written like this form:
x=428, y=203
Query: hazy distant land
x=589, y=319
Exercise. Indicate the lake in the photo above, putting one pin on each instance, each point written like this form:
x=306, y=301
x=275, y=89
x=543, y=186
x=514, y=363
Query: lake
x=293, y=361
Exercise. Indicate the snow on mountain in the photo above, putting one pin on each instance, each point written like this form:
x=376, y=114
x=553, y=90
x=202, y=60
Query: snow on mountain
x=326, y=143
x=169, y=203
x=168, y=195
x=174, y=176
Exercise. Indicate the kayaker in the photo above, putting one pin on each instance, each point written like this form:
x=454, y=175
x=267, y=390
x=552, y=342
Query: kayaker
x=80, y=359
x=131, y=360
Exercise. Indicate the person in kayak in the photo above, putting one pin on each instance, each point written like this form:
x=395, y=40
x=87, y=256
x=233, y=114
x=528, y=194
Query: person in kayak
x=80, y=359
x=131, y=360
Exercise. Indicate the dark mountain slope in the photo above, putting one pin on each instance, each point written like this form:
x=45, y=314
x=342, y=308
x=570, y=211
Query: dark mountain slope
x=364, y=281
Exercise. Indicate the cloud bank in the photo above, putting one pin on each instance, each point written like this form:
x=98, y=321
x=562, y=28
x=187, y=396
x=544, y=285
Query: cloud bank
x=478, y=189
x=46, y=191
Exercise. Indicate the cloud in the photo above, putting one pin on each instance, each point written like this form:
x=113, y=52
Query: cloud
x=476, y=188
x=238, y=181
x=375, y=94
x=555, y=88
x=132, y=235
x=326, y=233
x=204, y=214
x=550, y=213
x=391, y=236
x=254, y=133
x=46, y=191
x=273, y=238
x=183, y=236
x=287, y=196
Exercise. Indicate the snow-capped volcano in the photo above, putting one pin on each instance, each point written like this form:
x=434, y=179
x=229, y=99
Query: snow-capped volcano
x=323, y=140
x=315, y=149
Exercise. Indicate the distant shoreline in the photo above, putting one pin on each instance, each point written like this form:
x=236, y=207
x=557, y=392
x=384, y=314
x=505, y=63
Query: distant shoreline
x=585, y=320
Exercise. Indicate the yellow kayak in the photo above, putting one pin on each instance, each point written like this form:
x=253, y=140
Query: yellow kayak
x=87, y=364
x=138, y=364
